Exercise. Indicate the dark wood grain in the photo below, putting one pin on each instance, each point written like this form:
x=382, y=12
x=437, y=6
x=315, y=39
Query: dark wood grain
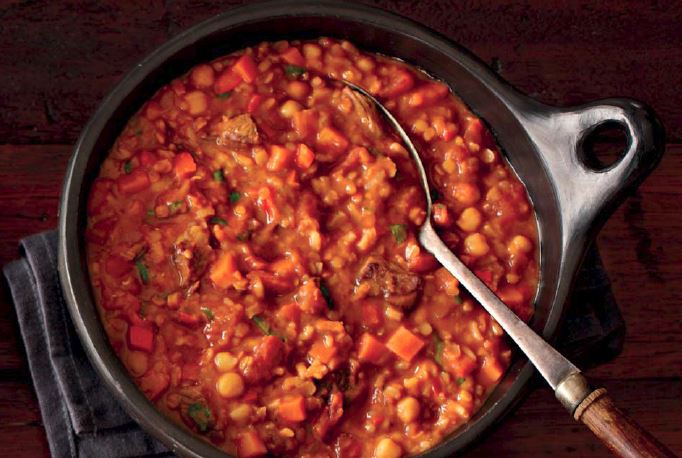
x=58, y=59
x=620, y=433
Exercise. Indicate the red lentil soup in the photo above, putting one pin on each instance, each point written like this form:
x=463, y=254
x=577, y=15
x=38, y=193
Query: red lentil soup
x=252, y=246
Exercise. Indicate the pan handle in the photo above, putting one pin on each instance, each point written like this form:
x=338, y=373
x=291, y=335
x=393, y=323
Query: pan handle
x=586, y=194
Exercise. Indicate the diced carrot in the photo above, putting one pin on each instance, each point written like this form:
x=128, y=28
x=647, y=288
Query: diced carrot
x=293, y=56
x=490, y=371
x=224, y=271
x=147, y=158
x=485, y=275
x=405, y=343
x=153, y=110
x=279, y=158
x=457, y=362
x=427, y=94
x=292, y=409
x=290, y=313
x=332, y=139
x=254, y=103
x=184, y=164
x=304, y=156
x=401, y=81
x=322, y=352
x=370, y=349
x=473, y=131
x=305, y=123
x=372, y=314
x=227, y=81
x=140, y=338
x=117, y=266
x=421, y=261
x=267, y=204
x=250, y=445
x=446, y=281
x=246, y=68
x=154, y=383
x=512, y=296
x=188, y=319
x=134, y=182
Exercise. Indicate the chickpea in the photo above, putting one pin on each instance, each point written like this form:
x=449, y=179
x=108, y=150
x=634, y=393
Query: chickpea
x=408, y=409
x=230, y=385
x=202, y=76
x=469, y=219
x=311, y=51
x=289, y=108
x=466, y=193
x=476, y=245
x=225, y=361
x=241, y=413
x=138, y=363
x=196, y=102
x=298, y=90
x=387, y=448
x=519, y=244
x=365, y=64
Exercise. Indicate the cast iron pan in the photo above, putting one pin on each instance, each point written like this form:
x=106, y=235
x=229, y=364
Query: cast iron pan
x=542, y=143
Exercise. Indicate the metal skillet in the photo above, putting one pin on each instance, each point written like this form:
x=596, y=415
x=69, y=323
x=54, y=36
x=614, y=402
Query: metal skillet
x=593, y=407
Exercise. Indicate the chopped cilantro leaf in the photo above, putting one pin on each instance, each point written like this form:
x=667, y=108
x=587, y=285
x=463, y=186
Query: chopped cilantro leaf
x=224, y=95
x=217, y=220
x=142, y=271
x=324, y=289
x=243, y=236
x=263, y=325
x=138, y=132
x=151, y=212
x=201, y=415
x=175, y=206
x=127, y=166
x=218, y=176
x=438, y=349
x=399, y=232
x=208, y=312
x=460, y=380
x=235, y=196
x=294, y=70
x=458, y=300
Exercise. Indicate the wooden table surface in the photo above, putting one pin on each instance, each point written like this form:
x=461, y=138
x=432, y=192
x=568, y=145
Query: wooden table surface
x=58, y=59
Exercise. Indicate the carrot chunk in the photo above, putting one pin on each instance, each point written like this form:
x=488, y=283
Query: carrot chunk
x=404, y=343
x=332, y=139
x=254, y=103
x=117, y=266
x=293, y=56
x=279, y=158
x=184, y=165
x=140, y=338
x=246, y=68
x=134, y=182
x=227, y=81
x=305, y=123
x=292, y=409
x=457, y=362
x=490, y=371
x=304, y=156
x=224, y=271
x=322, y=352
x=370, y=349
x=250, y=445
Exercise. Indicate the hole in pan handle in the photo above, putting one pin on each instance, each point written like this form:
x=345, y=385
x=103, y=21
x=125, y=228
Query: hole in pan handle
x=587, y=195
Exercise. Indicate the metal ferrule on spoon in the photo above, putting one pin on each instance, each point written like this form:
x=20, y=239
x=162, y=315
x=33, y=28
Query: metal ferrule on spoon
x=592, y=407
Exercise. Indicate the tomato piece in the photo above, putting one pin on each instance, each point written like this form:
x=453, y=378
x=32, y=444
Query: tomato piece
x=254, y=103
x=191, y=372
x=134, y=182
x=140, y=338
x=400, y=82
x=422, y=262
x=485, y=275
x=184, y=165
x=293, y=56
x=147, y=158
x=117, y=266
x=246, y=68
x=99, y=192
x=473, y=131
x=227, y=81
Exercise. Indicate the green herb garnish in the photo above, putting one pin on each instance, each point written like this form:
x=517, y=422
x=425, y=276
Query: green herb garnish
x=243, y=236
x=138, y=132
x=460, y=380
x=151, y=212
x=208, y=312
x=435, y=195
x=438, y=349
x=175, y=206
x=458, y=300
x=399, y=232
x=374, y=151
x=142, y=271
x=201, y=415
x=294, y=70
x=217, y=220
x=327, y=295
x=224, y=95
x=127, y=166
x=235, y=196
x=218, y=176
x=262, y=324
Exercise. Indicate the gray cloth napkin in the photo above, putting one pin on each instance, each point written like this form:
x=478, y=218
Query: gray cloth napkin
x=81, y=417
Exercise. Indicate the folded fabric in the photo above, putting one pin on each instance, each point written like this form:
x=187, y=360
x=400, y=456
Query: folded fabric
x=81, y=417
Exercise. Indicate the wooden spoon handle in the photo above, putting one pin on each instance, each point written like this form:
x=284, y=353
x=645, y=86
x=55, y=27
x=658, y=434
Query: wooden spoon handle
x=622, y=435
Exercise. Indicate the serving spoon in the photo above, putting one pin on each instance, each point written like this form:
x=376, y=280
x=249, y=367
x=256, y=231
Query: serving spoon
x=593, y=407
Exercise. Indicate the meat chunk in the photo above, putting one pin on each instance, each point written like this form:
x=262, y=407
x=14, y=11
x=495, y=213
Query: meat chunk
x=365, y=111
x=379, y=277
x=240, y=129
x=267, y=355
x=191, y=254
